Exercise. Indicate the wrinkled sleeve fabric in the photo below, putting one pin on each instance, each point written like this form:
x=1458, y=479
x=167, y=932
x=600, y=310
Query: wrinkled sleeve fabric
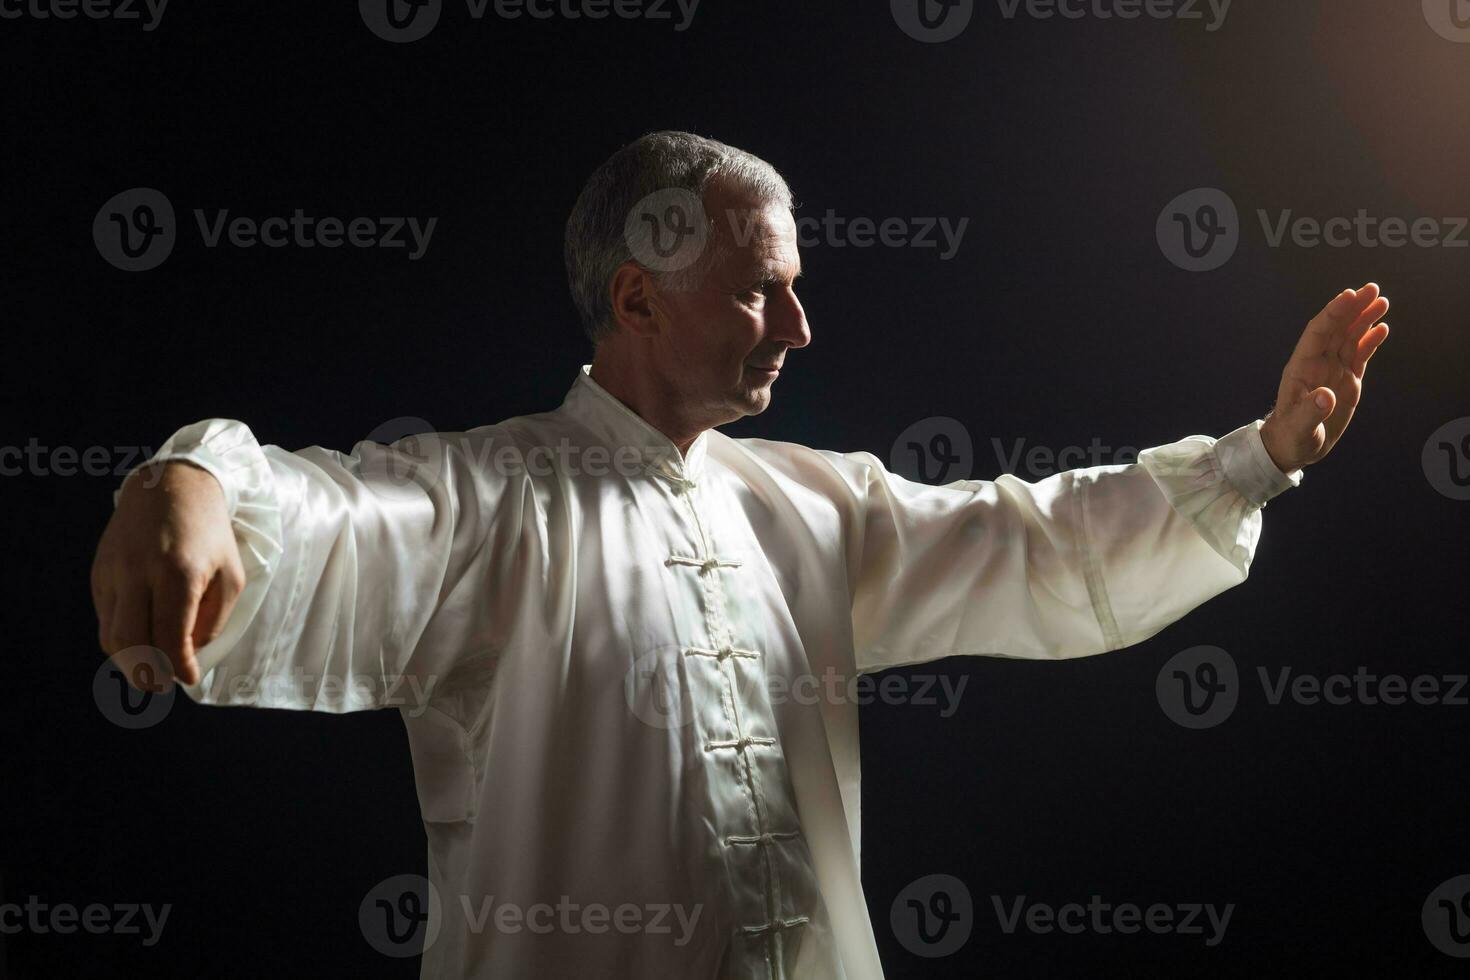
x=363, y=570
x=1079, y=563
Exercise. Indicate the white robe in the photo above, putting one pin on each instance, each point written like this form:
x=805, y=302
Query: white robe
x=614, y=641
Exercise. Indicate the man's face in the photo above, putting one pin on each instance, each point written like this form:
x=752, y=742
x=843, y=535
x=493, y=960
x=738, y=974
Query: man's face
x=727, y=338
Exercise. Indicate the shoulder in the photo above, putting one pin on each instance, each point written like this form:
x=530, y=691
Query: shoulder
x=834, y=474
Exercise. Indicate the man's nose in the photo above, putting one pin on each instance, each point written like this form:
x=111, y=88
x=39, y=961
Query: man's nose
x=788, y=323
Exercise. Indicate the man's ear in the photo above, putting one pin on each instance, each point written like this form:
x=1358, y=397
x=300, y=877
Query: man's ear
x=635, y=300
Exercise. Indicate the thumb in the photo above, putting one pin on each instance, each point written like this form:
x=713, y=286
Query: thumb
x=1318, y=405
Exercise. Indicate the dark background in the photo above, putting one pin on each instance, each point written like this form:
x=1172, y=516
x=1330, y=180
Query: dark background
x=1059, y=321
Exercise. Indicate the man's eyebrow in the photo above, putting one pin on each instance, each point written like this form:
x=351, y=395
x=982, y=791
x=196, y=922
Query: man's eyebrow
x=770, y=274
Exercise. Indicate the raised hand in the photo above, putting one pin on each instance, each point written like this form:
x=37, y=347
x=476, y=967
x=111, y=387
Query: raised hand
x=1323, y=380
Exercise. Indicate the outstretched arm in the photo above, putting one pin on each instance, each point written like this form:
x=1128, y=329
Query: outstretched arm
x=1099, y=558
x=311, y=579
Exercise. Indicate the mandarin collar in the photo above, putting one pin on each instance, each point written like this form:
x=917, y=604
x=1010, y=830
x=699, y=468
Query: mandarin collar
x=618, y=426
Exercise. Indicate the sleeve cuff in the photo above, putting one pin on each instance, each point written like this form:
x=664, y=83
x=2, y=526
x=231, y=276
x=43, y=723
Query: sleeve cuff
x=199, y=444
x=1249, y=467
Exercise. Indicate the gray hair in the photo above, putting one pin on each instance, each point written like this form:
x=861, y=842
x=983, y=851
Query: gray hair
x=596, y=244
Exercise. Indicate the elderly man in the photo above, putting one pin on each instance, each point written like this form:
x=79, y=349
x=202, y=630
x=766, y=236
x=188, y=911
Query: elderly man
x=602, y=609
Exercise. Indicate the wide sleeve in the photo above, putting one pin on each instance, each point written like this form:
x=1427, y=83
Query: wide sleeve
x=1082, y=562
x=365, y=572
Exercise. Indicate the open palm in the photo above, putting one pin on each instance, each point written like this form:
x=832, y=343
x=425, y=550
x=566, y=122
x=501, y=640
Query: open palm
x=1323, y=381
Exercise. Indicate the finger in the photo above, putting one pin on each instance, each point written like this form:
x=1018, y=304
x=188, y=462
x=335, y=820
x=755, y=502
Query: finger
x=106, y=614
x=99, y=587
x=216, y=605
x=127, y=641
x=175, y=602
x=1371, y=315
x=130, y=615
x=1335, y=317
x=1368, y=346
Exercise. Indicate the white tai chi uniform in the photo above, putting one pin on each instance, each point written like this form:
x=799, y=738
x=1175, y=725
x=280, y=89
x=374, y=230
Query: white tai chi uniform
x=610, y=638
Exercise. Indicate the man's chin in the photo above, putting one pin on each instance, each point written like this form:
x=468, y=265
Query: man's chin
x=752, y=399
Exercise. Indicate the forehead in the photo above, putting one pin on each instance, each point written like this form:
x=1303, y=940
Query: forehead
x=753, y=233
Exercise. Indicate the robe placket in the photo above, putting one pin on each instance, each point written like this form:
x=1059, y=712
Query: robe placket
x=710, y=567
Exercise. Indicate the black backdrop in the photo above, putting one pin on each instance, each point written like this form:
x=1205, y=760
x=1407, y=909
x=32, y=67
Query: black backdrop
x=1060, y=320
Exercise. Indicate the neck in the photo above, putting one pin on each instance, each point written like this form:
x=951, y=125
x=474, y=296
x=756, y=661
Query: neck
x=646, y=393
